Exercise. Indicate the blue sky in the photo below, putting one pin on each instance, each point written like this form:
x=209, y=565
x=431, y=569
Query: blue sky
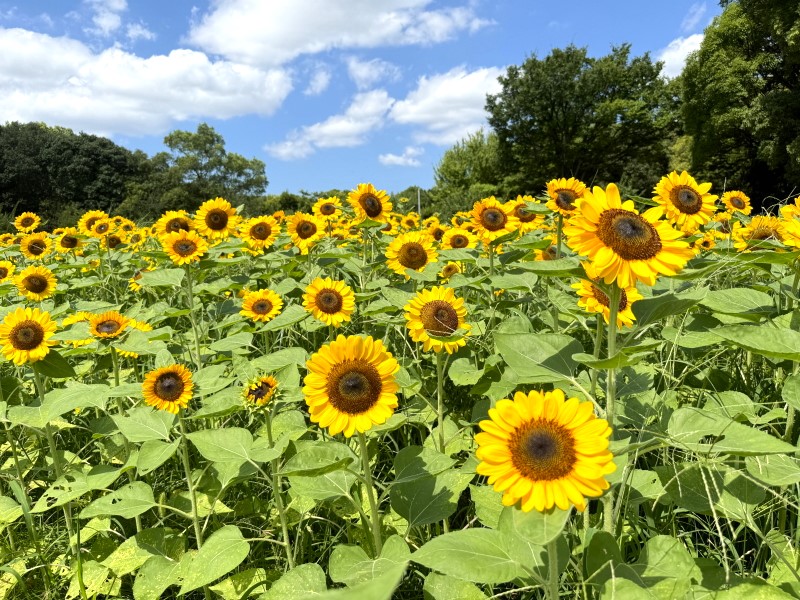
x=328, y=93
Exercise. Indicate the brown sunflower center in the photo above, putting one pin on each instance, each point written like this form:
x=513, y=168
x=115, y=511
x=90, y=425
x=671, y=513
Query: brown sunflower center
x=524, y=215
x=27, y=221
x=184, y=247
x=37, y=247
x=354, y=386
x=437, y=233
x=493, y=219
x=450, y=270
x=628, y=234
x=35, y=283
x=259, y=391
x=114, y=241
x=327, y=209
x=737, y=202
x=3, y=272
x=102, y=228
x=542, y=450
x=329, y=301
x=262, y=306
x=603, y=298
x=260, y=231
x=135, y=238
x=565, y=199
x=371, y=205
x=91, y=221
x=686, y=199
x=412, y=255
x=26, y=335
x=168, y=386
x=216, y=219
x=68, y=241
x=177, y=224
x=109, y=326
x=459, y=241
x=550, y=253
x=439, y=318
x=305, y=229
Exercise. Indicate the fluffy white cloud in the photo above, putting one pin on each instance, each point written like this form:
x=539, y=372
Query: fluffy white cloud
x=319, y=81
x=62, y=82
x=692, y=18
x=137, y=31
x=106, y=17
x=674, y=55
x=409, y=157
x=449, y=106
x=366, y=73
x=365, y=114
x=273, y=33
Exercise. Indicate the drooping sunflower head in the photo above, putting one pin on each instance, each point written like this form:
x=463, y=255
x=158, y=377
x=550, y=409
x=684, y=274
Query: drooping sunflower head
x=369, y=203
x=260, y=391
x=261, y=305
x=436, y=320
x=493, y=219
x=259, y=232
x=412, y=250
x=25, y=335
x=216, y=219
x=184, y=247
x=36, y=283
x=458, y=238
x=27, y=222
x=564, y=194
x=305, y=231
x=68, y=241
x=330, y=301
x=736, y=201
x=7, y=269
x=328, y=208
x=351, y=385
x=36, y=246
x=685, y=202
x=108, y=325
x=762, y=228
x=542, y=450
x=450, y=269
x=168, y=388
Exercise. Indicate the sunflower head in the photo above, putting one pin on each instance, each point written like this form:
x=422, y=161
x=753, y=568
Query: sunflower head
x=327, y=208
x=542, y=450
x=330, y=301
x=305, y=231
x=412, y=250
x=25, y=335
x=351, y=385
x=493, y=219
x=36, y=246
x=450, y=269
x=563, y=194
x=685, y=202
x=528, y=220
x=68, y=241
x=458, y=238
x=36, y=283
x=260, y=391
x=168, y=388
x=216, y=219
x=184, y=247
x=369, y=203
x=261, y=305
x=108, y=325
x=736, y=201
x=27, y=222
x=6, y=270
x=593, y=299
x=436, y=320
x=259, y=232
x=88, y=220
x=762, y=228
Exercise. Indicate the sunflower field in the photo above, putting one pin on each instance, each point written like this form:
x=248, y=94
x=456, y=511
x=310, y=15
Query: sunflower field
x=577, y=395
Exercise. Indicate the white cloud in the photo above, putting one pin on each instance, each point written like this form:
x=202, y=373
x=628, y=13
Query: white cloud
x=106, y=17
x=449, y=106
x=137, y=31
x=365, y=114
x=674, y=55
x=273, y=33
x=366, y=73
x=319, y=81
x=409, y=157
x=63, y=82
x=693, y=17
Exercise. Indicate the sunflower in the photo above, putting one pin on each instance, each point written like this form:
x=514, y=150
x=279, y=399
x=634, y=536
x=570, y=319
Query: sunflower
x=545, y=451
x=369, y=203
x=549, y=253
x=736, y=201
x=564, y=194
x=457, y=238
x=332, y=302
x=594, y=300
x=36, y=246
x=184, y=247
x=25, y=335
x=528, y=220
x=259, y=232
x=759, y=229
x=88, y=219
x=493, y=219
x=6, y=270
x=410, y=221
x=435, y=229
x=450, y=269
x=173, y=221
x=350, y=385
x=168, y=388
x=113, y=240
x=36, y=283
x=68, y=241
x=6, y=239
x=623, y=245
x=27, y=222
x=328, y=208
x=216, y=219
x=102, y=227
x=412, y=250
x=305, y=231
x=686, y=203
x=136, y=238
x=261, y=305
x=108, y=325
x=436, y=319
x=260, y=391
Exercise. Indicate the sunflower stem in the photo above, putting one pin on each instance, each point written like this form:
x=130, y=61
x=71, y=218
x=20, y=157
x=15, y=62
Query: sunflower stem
x=559, y=234
x=598, y=346
x=440, y=398
x=190, y=294
x=277, y=492
x=375, y=517
x=552, y=570
x=611, y=393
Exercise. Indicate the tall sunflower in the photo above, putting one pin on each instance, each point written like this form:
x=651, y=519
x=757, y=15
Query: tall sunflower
x=36, y=246
x=108, y=325
x=36, y=283
x=351, y=385
x=564, y=194
x=25, y=335
x=761, y=228
x=216, y=219
x=173, y=221
x=259, y=232
x=305, y=231
x=493, y=219
x=369, y=203
x=68, y=241
x=412, y=250
x=686, y=203
x=436, y=320
x=7, y=269
x=458, y=237
x=328, y=208
x=543, y=451
x=261, y=305
x=168, y=388
x=736, y=201
x=184, y=247
x=27, y=222
x=332, y=302
x=594, y=300
x=260, y=391
x=623, y=245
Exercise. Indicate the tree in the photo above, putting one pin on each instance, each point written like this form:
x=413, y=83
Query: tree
x=599, y=119
x=742, y=99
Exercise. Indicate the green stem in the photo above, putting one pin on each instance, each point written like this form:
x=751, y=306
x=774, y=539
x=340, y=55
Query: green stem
x=440, y=398
x=375, y=517
x=559, y=234
x=552, y=570
x=598, y=346
x=190, y=293
x=611, y=394
x=277, y=491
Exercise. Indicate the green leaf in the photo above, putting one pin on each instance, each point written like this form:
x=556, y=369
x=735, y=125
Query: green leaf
x=294, y=313
x=137, y=550
x=415, y=462
x=462, y=371
x=535, y=527
x=54, y=365
x=539, y=357
x=775, y=469
x=791, y=391
x=128, y=501
x=350, y=565
x=561, y=267
x=766, y=340
x=444, y=587
x=317, y=470
x=58, y=402
x=145, y=423
x=652, y=310
x=229, y=444
x=153, y=454
x=75, y=484
x=237, y=341
x=380, y=588
x=221, y=553
x=429, y=499
x=155, y=576
x=738, y=301
x=236, y=585
x=304, y=581
x=162, y=278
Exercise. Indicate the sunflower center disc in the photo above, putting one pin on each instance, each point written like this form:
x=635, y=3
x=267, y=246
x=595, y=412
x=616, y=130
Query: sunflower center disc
x=174, y=225
x=306, y=229
x=565, y=199
x=69, y=241
x=628, y=234
x=102, y=228
x=524, y=215
x=450, y=270
x=185, y=247
x=90, y=222
x=439, y=318
x=169, y=387
x=27, y=335
x=36, y=247
x=438, y=233
x=354, y=386
x=108, y=326
x=259, y=391
x=686, y=200
x=3, y=272
x=260, y=231
x=35, y=283
x=412, y=256
x=114, y=241
x=459, y=241
x=327, y=209
x=371, y=205
x=542, y=450
x=493, y=219
x=603, y=298
x=329, y=301
x=217, y=219
x=27, y=222
x=262, y=307
x=549, y=254
x=737, y=202
x=764, y=233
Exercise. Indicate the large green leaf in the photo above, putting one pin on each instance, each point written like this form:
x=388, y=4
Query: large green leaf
x=145, y=423
x=221, y=553
x=444, y=587
x=75, y=484
x=539, y=357
x=59, y=402
x=304, y=581
x=128, y=502
x=162, y=278
x=652, y=310
x=766, y=340
x=537, y=528
x=351, y=565
x=738, y=301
